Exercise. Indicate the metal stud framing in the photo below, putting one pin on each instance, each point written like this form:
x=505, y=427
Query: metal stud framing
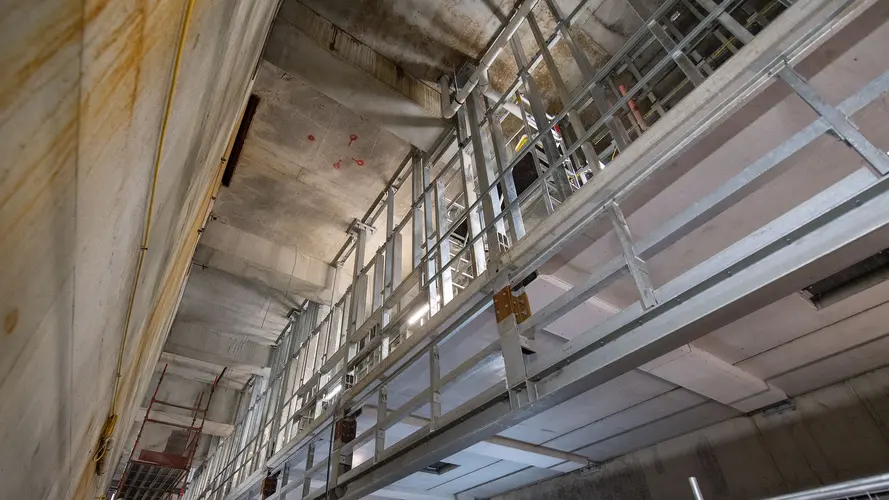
x=839, y=223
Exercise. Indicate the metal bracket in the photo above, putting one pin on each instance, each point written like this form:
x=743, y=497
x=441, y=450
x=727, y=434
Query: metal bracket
x=357, y=226
x=777, y=408
x=877, y=161
x=591, y=468
x=637, y=266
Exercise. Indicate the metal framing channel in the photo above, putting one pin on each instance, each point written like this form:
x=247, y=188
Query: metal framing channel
x=303, y=398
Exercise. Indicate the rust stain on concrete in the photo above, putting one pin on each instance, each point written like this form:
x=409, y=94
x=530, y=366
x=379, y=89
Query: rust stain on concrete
x=10, y=321
x=69, y=31
x=124, y=70
x=62, y=148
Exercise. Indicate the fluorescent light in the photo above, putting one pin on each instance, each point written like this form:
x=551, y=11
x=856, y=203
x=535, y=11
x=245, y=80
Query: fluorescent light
x=332, y=393
x=419, y=314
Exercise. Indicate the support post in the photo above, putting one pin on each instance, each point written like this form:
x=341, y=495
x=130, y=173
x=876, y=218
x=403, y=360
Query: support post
x=429, y=220
x=390, y=261
x=516, y=224
x=483, y=155
x=509, y=312
x=417, y=215
x=477, y=252
x=380, y=434
x=344, y=433
x=445, y=280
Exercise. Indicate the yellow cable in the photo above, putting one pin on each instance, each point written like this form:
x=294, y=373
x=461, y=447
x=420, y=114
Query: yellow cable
x=111, y=421
x=154, y=177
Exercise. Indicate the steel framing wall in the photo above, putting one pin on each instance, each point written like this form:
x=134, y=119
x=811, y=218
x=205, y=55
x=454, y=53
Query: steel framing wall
x=474, y=237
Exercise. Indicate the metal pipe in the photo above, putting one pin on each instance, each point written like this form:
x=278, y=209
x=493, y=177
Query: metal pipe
x=695, y=489
x=493, y=51
x=848, y=489
x=510, y=107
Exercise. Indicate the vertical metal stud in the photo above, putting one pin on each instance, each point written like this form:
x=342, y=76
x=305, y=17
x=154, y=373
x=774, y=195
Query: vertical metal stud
x=637, y=266
x=730, y=23
x=477, y=252
x=434, y=393
x=379, y=277
x=360, y=232
x=417, y=216
x=573, y=117
x=516, y=222
x=445, y=280
x=430, y=259
x=483, y=155
x=310, y=462
x=618, y=132
x=544, y=186
x=685, y=64
x=389, y=262
x=538, y=111
x=380, y=433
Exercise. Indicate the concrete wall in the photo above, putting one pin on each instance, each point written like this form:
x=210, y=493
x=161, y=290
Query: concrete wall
x=83, y=97
x=834, y=434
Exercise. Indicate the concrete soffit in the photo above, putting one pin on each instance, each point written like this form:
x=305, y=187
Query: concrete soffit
x=356, y=76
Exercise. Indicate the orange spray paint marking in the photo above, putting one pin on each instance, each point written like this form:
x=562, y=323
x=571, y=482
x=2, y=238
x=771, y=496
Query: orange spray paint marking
x=338, y=164
x=360, y=163
x=352, y=138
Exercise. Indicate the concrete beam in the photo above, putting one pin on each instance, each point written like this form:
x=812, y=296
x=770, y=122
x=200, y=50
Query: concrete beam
x=701, y=372
x=283, y=268
x=197, y=342
x=202, y=371
x=211, y=428
x=351, y=73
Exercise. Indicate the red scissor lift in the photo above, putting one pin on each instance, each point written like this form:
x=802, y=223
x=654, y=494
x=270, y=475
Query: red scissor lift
x=162, y=475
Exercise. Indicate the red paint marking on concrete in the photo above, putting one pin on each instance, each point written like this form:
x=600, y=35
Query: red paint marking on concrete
x=338, y=164
x=311, y=137
x=360, y=163
x=352, y=138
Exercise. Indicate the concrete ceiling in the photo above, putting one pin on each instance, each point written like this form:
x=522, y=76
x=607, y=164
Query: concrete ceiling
x=300, y=180
x=429, y=38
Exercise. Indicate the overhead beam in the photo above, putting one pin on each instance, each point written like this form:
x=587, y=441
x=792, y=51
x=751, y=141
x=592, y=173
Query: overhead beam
x=710, y=376
x=211, y=427
x=280, y=267
x=500, y=441
x=313, y=49
x=197, y=342
x=202, y=371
